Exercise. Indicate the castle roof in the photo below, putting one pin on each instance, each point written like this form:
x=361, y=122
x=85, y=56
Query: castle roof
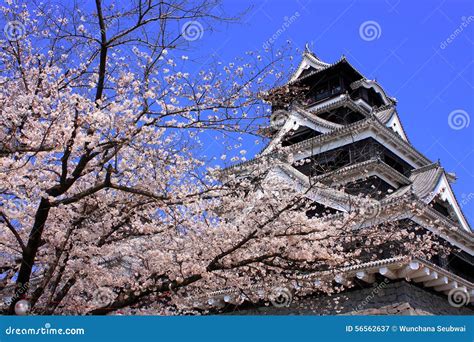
x=426, y=181
x=311, y=65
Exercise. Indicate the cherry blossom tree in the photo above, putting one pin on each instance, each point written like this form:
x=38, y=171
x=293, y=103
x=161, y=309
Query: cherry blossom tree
x=106, y=202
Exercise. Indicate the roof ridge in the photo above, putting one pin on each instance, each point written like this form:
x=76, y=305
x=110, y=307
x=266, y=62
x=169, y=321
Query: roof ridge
x=344, y=99
x=352, y=126
x=316, y=119
x=326, y=136
x=340, y=60
x=377, y=161
x=385, y=107
x=426, y=168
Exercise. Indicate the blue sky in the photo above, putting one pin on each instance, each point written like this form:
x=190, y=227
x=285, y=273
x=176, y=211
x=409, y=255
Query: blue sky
x=409, y=56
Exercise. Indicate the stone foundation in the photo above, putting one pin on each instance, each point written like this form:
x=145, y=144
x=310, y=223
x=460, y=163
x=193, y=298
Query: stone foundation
x=397, y=298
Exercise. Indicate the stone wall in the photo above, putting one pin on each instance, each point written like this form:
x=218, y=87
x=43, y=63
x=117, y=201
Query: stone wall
x=395, y=298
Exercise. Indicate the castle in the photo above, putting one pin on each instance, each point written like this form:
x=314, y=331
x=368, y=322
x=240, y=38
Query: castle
x=342, y=129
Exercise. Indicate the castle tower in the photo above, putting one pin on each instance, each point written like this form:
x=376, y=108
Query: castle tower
x=342, y=130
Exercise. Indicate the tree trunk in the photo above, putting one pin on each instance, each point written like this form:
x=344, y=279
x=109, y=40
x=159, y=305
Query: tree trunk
x=29, y=254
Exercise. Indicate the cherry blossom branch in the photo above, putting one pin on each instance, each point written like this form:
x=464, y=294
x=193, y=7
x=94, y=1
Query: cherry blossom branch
x=13, y=230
